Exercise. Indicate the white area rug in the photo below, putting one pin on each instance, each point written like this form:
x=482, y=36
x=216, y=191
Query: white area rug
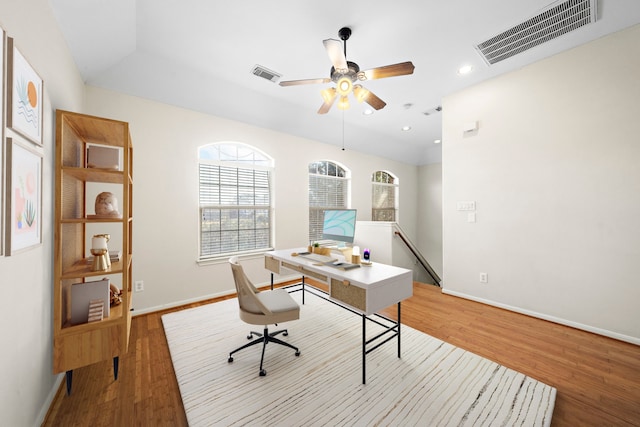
x=433, y=384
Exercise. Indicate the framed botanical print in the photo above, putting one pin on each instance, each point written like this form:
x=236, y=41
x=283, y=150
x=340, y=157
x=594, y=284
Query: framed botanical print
x=23, y=222
x=24, y=95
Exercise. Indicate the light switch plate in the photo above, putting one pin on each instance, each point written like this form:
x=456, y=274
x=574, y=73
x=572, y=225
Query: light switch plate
x=466, y=205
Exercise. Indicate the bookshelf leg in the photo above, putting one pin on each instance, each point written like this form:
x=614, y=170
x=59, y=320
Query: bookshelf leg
x=116, y=361
x=69, y=377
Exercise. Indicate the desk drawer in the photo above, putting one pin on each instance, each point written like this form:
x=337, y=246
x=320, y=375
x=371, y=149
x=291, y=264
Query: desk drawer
x=349, y=294
x=272, y=264
x=304, y=271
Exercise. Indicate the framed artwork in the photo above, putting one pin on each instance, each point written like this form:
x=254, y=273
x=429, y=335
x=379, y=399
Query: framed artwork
x=24, y=95
x=23, y=222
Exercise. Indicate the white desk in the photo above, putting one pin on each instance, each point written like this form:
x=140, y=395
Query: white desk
x=363, y=290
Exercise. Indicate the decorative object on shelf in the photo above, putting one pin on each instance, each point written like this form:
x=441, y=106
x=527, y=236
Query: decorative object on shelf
x=107, y=206
x=96, y=310
x=103, y=157
x=24, y=197
x=99, y=260
x=81, y=296
x=100, y=252
x=116, y=295
x=24, y=95
x=99, y=241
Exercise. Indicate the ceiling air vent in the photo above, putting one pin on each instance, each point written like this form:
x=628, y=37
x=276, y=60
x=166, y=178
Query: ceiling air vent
x=555, y=21
x=433, y=110
x=266, y=73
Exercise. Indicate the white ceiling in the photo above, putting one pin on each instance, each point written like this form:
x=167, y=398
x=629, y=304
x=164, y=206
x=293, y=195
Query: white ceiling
x=198, y=54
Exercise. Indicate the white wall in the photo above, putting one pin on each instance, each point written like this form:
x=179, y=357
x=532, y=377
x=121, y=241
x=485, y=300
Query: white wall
x=26, y=330
x=554, y=170
x=429, y=240
x=165, y=235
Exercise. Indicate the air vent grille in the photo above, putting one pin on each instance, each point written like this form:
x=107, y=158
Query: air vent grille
x=266, y=73
x=553, y=22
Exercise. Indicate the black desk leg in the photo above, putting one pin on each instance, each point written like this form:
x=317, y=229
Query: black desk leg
x=364, y=349
x=271, y=281
x=302, y=290
x=398, y=330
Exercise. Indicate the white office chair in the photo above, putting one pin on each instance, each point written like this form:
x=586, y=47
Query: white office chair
x=262, y=308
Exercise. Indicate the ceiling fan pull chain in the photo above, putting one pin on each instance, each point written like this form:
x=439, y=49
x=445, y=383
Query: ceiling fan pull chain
x=342, y=130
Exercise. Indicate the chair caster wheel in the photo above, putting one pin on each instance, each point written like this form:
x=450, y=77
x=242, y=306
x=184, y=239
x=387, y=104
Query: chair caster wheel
x=297, y=353
x=285, y=333
x=230, y=359
x=263, y=372
x=249, y=336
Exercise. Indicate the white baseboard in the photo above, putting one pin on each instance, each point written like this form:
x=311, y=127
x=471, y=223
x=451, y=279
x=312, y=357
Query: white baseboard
x=576, y=325
x=46, y=405
x=147, y=310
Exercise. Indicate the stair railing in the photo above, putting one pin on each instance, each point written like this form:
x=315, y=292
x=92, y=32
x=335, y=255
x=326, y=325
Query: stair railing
x=416, y=253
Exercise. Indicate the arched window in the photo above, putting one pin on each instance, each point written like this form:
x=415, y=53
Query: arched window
x=384, y=197
x=235, y=199
x=328, y=189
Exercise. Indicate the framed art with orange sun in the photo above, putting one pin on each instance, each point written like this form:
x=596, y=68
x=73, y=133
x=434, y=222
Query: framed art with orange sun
x=24, y=95
x=23, y=224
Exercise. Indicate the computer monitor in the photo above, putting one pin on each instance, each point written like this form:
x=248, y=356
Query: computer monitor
x=339, y=225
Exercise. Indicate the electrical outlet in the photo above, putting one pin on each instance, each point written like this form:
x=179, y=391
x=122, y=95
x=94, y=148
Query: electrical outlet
x=484, y=278
x=139, y=286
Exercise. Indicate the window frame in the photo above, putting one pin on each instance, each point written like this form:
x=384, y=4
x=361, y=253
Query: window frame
x=394, y=184
x=316, y=211
x=248, y=162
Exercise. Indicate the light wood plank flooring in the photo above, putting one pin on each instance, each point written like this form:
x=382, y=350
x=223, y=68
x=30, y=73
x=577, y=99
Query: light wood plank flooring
x=597, y=378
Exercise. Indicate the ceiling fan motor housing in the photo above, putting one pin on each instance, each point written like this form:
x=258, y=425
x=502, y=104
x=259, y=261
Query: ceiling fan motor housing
x=352, y=73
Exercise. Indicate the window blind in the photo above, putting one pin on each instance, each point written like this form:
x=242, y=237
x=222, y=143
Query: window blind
x=325, y=192
x=384, y=202
x=235, y=209
x=383, y=198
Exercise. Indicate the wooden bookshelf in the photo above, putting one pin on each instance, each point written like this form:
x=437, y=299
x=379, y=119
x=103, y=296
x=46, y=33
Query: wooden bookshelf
x=77, y=345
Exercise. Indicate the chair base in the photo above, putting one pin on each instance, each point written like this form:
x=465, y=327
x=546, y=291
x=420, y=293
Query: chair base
x=264, y=338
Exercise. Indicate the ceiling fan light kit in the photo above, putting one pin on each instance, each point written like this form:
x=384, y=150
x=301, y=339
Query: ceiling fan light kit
x=345, y=73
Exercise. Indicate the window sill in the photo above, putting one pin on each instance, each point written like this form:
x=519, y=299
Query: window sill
x=224, y=258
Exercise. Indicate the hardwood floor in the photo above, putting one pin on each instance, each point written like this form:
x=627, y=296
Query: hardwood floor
x=597, y=378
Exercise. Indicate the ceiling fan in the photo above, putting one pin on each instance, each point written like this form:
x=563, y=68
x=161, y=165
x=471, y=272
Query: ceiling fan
x=346, y=74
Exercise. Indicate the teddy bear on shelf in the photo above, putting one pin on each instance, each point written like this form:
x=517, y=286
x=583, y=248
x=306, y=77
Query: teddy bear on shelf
x=116, y=295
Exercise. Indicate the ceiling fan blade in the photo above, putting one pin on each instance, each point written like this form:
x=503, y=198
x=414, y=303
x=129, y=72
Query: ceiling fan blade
x=329, y=95
x=336, y=54
x=369, y=97
x=304, y=82
x=400, y=69
x=325, y=107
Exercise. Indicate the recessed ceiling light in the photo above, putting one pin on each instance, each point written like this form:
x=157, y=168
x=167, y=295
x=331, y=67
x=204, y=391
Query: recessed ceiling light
x=406, y=128
x=437, y=141
x=465, y=69
x=368, y=112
